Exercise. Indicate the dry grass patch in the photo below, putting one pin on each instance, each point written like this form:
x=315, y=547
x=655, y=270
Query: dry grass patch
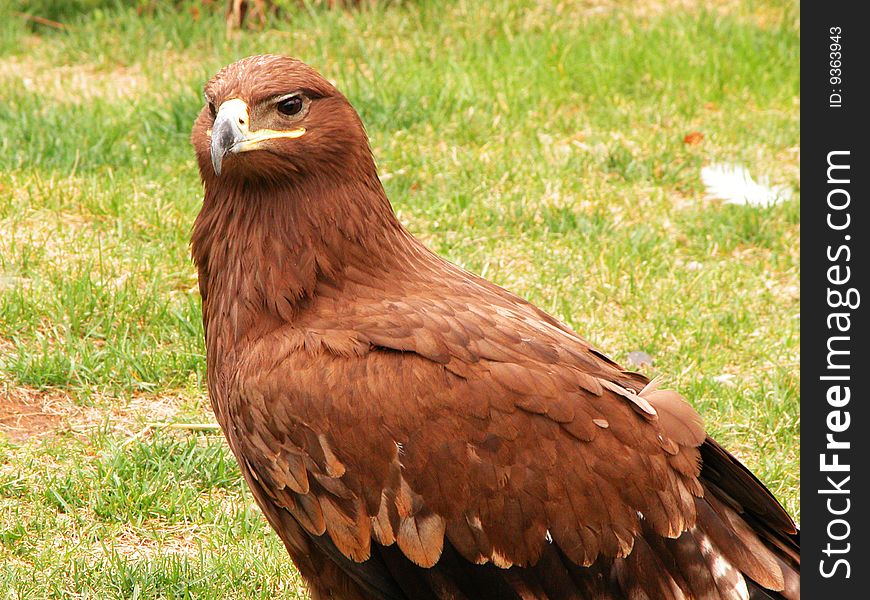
x=647, y=9
x=49, y=231
x=28, y=414
x=75, y=84
x=171, y=540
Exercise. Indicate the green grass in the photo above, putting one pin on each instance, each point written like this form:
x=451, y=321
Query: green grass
x=540, y=145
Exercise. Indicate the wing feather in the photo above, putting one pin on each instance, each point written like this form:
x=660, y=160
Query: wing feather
x=491, y=432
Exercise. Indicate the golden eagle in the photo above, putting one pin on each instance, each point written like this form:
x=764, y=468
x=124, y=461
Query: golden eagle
x=412, y=430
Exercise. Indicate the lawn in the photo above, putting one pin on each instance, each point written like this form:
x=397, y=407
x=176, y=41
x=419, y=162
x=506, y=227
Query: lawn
x=554, y=147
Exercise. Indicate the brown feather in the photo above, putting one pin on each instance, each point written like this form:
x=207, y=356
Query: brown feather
x=421, y=538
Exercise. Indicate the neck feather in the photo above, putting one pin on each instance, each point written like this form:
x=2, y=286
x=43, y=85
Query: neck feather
x=261, y=249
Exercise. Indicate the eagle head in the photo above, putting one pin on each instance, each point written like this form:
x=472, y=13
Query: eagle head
x=273, y=118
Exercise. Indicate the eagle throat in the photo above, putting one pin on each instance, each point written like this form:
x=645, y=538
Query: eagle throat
x=262, y=247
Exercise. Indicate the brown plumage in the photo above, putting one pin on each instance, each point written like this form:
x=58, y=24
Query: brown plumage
x=412, y=430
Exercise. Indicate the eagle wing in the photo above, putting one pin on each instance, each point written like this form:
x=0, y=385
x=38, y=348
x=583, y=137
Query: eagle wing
x=477, y=425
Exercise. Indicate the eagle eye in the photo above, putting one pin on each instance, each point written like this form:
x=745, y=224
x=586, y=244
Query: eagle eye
x=290, y=106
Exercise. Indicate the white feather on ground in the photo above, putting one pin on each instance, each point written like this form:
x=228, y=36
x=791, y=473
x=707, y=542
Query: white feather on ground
x=734, y=185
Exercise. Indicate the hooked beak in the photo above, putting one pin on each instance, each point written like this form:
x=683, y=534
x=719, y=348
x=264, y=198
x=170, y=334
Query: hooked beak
x=231, y=134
